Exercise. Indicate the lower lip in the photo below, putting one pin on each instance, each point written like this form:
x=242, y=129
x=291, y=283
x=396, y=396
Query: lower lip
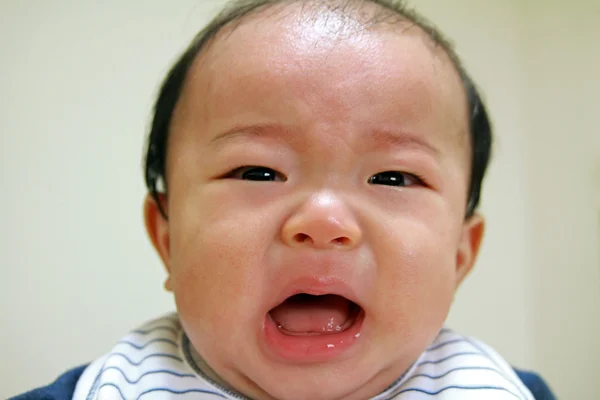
x=313, y=348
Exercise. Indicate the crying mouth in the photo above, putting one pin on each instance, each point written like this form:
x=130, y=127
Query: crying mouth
x=308, y=315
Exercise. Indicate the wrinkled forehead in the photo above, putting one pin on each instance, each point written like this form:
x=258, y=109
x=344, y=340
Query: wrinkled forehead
x=326, y=43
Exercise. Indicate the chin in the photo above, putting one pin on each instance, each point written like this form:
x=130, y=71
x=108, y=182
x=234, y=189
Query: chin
x=322, y=382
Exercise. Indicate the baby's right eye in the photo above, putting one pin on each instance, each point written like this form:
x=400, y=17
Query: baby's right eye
x=259, y=174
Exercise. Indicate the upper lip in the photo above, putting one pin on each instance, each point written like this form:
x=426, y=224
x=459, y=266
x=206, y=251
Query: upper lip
x=316, y=286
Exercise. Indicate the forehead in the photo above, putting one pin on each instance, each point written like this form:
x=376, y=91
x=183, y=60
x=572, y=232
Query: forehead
x=290, y=62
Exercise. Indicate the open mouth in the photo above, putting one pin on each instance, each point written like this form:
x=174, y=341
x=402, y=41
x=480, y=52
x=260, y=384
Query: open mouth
x=308, y=315
x=311, y=328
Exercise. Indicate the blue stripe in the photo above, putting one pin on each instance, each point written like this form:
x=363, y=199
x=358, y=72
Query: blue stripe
x=162, y=390
x=143, y=346
x=109, y=385
x=454, y=370
x=455, y=387
x=467, y=353
x=445, y=344
x=182, y=392
x=158, y=371
x=150, y=330
x=137, y=364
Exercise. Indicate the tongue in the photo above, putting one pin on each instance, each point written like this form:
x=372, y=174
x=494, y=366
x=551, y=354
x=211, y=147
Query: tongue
x=312, y=314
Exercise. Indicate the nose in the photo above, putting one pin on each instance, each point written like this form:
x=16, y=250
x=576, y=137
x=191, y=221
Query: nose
x=322, y=222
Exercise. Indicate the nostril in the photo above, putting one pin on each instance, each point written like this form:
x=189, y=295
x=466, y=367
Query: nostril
x=341, y=241
x=302, y=238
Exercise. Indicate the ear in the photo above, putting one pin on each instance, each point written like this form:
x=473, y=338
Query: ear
x=469, y=245
x=158, y=231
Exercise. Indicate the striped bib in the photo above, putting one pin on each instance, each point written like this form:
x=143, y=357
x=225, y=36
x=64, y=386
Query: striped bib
x=156, y=362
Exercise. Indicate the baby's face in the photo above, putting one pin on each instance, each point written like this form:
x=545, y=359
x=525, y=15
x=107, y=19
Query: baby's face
x=301, y=162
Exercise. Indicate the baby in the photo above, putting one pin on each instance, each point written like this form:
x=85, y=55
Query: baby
x=314, y=170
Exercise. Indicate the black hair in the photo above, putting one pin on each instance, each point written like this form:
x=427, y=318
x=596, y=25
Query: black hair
x=392, y=11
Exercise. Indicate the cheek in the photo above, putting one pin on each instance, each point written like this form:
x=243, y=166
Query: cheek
x=417, y=277
x=217, y=263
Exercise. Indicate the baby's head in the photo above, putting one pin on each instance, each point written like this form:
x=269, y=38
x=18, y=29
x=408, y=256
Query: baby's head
x=321, y=162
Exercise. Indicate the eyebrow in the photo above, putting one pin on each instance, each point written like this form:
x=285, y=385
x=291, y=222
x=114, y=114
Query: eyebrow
x=381, y=138
x=389, y=138
x=259, y=130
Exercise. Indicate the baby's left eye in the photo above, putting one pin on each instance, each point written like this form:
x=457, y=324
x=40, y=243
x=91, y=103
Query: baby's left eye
x=395, y=178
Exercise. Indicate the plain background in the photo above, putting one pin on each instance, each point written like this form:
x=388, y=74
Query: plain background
x=77, y=80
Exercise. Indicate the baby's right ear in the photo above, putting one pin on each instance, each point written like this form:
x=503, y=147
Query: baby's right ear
x=157, y=228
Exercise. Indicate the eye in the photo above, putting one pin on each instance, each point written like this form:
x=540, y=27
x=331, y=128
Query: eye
x=395, y=178
x=259, y=174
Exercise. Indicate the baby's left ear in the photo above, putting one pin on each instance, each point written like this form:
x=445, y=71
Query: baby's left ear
x=470, y=242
